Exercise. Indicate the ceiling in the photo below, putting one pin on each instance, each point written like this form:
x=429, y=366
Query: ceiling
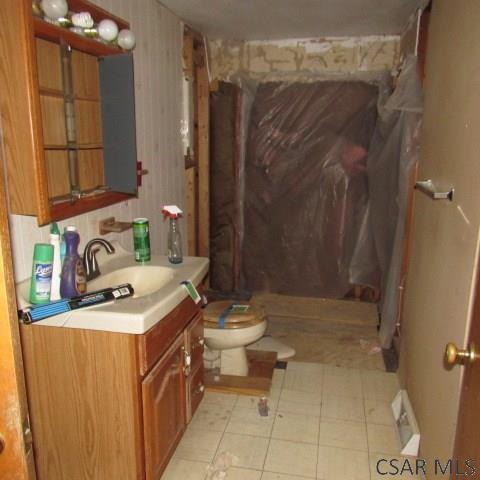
x=282, y=19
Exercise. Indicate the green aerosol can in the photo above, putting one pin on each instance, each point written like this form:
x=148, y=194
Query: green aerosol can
x=141, y=240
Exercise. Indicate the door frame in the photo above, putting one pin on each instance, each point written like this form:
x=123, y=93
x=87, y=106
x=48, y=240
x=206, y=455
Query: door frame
x=467, y=430
x=16, y=459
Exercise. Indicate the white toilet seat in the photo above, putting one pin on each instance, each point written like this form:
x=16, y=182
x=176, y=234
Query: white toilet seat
x=218, y=315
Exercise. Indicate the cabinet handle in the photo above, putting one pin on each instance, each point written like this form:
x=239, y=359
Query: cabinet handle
x=199, y=343
x=187, y=362
x=199, y=389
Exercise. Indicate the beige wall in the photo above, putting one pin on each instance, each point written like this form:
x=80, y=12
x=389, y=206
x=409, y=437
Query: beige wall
x=158, y=77
x=321, y=56
x=445, y=238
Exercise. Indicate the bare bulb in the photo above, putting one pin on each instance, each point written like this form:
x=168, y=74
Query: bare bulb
x=108, y=30
x=126, y=39
x=54, y=9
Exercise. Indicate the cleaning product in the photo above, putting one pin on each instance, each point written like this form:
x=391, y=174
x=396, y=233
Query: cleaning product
x=42, y=268
x=63, y=245
x=57, y=263
x=141, y=239
x=174, y=238
x=73, y=280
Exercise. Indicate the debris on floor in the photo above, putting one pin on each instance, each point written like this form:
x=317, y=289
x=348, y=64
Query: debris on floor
x=263, y=407
x=370, y=347
x=217, y=470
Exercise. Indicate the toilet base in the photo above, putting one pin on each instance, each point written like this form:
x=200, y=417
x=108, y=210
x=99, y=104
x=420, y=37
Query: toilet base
x=234, y=362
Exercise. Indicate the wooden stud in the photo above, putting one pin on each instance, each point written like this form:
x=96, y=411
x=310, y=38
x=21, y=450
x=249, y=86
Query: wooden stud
x=188, y=66
x=203, y=98
x=191, y=196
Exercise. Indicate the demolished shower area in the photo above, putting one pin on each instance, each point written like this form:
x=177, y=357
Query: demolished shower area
x=309, y=197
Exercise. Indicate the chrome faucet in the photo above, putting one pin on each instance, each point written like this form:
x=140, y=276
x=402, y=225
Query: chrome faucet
x=90, y=262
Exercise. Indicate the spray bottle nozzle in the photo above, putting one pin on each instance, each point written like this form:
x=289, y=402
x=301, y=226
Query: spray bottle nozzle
x=171, y=211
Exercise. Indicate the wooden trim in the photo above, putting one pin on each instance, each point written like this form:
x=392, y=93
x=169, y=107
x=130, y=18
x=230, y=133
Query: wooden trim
x=16, y=461
x=65, y=210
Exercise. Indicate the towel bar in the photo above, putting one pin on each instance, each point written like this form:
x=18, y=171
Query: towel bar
x=428, y=188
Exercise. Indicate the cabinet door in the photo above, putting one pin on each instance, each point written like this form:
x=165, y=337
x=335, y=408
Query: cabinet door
x=118, y=113
x=194, y=341
x=164, y=415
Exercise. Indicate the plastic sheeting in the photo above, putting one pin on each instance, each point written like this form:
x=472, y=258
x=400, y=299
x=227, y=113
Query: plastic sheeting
x=306, y=186
x=393, y=153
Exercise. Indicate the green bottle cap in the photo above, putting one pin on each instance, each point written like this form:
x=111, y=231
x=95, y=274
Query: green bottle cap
x=43, y=252
x=54, y=229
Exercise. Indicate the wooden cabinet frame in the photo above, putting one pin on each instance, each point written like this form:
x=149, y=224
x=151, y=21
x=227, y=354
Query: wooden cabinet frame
x=26, y=169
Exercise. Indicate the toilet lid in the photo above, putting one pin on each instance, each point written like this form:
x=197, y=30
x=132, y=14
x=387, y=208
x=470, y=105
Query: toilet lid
x=230, y=314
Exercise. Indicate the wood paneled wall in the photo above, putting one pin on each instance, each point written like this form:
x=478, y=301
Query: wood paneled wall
x=158, y=90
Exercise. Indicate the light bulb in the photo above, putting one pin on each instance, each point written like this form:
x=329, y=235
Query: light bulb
x=108, y=30
x=126, y=39
x=54, y=9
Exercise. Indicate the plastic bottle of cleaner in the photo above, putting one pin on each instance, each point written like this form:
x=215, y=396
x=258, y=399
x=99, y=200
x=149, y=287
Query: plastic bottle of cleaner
x=174, y=238
x=63, y=246
x=73, y=281
x=57, y=264
x=42, y=267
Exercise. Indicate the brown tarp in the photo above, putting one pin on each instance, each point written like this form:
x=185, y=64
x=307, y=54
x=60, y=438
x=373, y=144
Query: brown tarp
x=306, y=185
x=224, y=193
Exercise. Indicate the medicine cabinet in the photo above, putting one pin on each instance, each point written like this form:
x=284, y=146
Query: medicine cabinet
x=69, y=125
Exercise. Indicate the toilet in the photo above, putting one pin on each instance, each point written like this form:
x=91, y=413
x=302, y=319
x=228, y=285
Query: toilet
x=229, y=327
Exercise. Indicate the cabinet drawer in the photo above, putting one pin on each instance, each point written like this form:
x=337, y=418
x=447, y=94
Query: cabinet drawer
x=196, y=390
x=152, y=344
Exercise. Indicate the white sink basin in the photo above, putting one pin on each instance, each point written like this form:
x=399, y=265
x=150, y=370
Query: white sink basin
x=158, y=290
x=145, y=279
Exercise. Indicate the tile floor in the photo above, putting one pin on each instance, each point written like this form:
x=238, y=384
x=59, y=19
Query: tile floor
x=325, y=423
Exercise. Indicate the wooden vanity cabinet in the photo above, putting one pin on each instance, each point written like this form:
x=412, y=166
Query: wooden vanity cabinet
x=109, y=405
x=70, y=142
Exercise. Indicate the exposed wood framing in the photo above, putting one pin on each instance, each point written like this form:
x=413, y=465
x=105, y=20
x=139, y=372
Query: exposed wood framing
x=191, y=204
x=203, y=94
x=197, y=177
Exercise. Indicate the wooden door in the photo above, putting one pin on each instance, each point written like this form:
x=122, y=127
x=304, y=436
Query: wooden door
x=164, y=416
x=467, y=444
x=445, y=238
x=16, y=456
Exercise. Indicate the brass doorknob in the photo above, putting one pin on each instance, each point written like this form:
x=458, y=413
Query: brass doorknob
x=455, y=356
